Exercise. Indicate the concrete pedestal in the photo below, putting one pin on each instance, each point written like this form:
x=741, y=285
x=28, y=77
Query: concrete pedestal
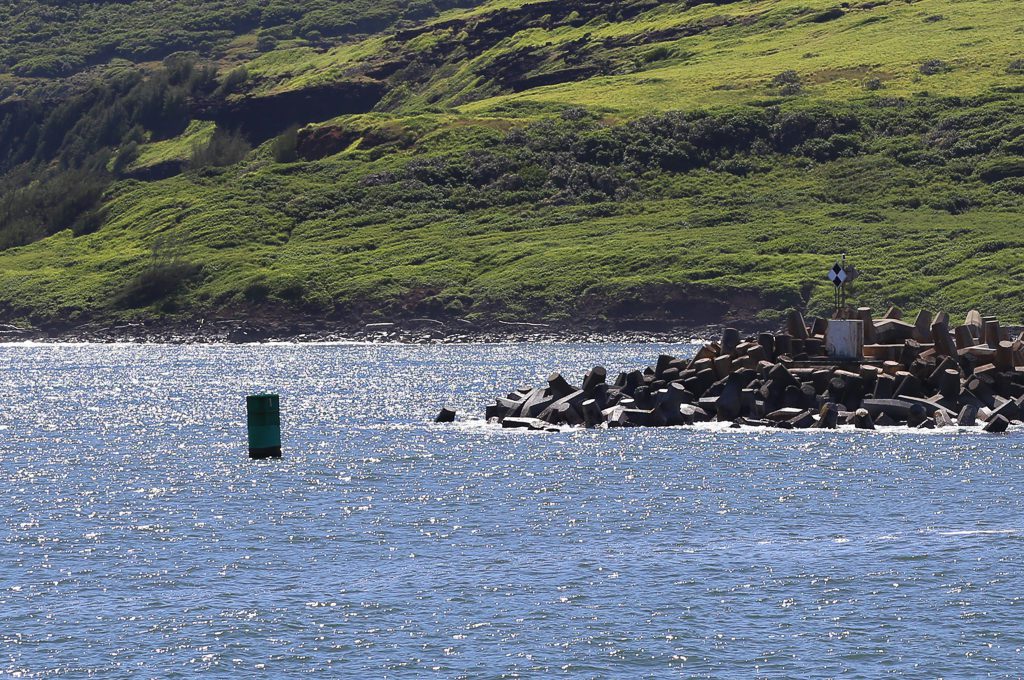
x=844, y=339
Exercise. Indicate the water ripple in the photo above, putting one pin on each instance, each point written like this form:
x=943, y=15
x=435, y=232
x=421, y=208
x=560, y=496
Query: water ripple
x=139, y=539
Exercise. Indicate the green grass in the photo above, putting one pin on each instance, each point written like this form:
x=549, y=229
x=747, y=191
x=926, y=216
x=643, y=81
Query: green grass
x=46, y=40
x=266, y=233
x=298, y=67
x=437, y=211
x=175, y=149
x=735, y=64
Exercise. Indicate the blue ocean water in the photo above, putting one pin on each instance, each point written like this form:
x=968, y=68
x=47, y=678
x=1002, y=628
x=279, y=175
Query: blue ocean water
x=138, y=539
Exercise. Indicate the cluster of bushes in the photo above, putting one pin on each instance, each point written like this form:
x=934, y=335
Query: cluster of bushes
x=934, y=66
x=225, y=147
x=48, y=39
x=788, y=83
x=48, y=66
x=159, y=280
x=68, y=198
x=56, y=161
x=576, y=159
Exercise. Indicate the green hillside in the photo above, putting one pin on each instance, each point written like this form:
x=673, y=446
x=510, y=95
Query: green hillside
x=510, y=160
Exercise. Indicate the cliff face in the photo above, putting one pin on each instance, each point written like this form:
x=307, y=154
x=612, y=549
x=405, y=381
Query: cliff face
x=261, y=117
x=636, y=162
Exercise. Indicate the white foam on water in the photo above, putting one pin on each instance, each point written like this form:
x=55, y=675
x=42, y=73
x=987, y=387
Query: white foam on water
x=980, y=532
x=476, y=423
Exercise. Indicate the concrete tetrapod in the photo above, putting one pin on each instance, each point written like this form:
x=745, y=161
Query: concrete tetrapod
x=787, y=380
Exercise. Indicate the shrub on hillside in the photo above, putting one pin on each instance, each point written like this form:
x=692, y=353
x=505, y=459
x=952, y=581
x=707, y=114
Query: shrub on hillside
x=125, y=156
x=54, y=157
x=1001, y=168
x=266, y=43
x=234, y=79
x=285, y=147
x=225, y=148
x=830, y=14
x=51, y=203
x=159, y=280
x=788, y=83
x=954, y=204
x=934, y=67
x=659, y=53
x=417, y=10
x=48, y=66
x=180, y=66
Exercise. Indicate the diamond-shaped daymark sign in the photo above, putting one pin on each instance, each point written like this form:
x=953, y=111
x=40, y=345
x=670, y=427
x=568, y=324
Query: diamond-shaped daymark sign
x=837, y=275
x=851, y=273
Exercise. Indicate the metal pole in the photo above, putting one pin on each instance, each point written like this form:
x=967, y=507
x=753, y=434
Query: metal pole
x=844, y=284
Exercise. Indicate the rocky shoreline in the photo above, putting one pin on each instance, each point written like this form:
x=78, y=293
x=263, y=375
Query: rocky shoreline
x=854, y=370
x=414, y=332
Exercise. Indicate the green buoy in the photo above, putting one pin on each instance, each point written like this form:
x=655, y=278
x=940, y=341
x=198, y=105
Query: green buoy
x=264, y=423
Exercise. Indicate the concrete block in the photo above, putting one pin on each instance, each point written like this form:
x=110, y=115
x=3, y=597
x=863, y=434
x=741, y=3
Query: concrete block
x=968, y=416
x=892, y=331
x=862, y=420
x=996, y=424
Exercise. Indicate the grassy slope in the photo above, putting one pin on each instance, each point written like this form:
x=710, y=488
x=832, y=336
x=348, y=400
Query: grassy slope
x=771, y=232
x=731, y=65
x=42, y=38
x=175, y=149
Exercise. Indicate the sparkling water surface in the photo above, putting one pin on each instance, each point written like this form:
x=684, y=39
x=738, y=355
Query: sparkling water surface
x=138, y=539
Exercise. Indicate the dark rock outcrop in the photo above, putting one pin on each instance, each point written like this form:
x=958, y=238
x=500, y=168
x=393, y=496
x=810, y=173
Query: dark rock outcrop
x=260, y=118
x=319, y=142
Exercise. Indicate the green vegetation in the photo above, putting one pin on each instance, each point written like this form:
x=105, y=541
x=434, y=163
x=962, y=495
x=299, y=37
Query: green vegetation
x=525, y=160
x=48, y=38
x=176, y=149
x=57, y=158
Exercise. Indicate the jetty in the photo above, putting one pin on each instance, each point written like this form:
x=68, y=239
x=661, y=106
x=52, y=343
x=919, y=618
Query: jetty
x=816, y=373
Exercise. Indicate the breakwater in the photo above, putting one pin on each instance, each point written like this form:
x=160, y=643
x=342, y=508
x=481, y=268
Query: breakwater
x=817, y=373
